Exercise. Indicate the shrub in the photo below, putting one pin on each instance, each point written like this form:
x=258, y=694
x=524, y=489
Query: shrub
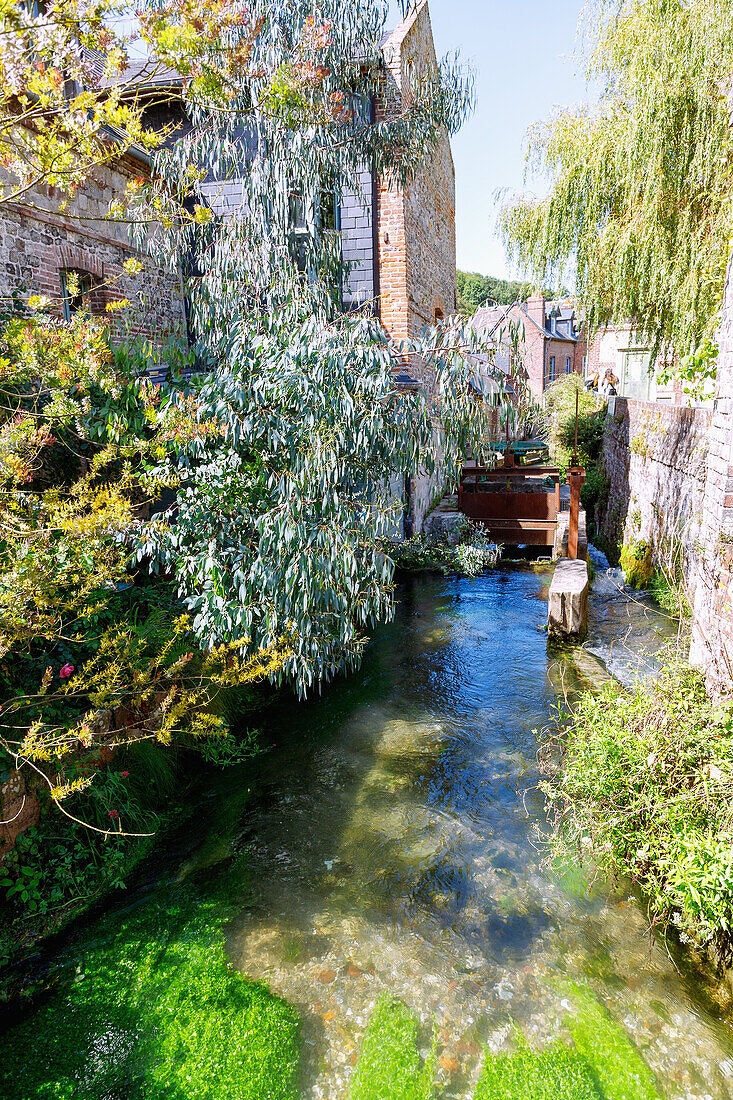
x=466, y=549
x=646, y=786
x=559, y=421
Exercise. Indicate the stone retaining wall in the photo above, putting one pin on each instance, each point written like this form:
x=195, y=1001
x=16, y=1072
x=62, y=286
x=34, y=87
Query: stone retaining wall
x=655, y=457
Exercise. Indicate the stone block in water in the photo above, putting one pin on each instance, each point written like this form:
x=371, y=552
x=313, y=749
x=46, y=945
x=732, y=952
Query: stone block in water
x=567, y=613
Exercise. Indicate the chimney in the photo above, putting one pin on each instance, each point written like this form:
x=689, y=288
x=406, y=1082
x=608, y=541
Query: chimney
x=536, y=309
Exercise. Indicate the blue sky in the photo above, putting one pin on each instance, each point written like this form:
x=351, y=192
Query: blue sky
x=523, y=54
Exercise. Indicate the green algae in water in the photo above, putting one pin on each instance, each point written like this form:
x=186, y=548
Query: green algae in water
x=618, y=1069
x=156, y=1013
x=570, y=875
x=390, y=1067
x=557, y=1073
x=604, y=1065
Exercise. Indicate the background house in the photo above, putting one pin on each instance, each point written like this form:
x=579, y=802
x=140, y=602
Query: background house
x=620, y=349
x=399, y=245
x=551, y=336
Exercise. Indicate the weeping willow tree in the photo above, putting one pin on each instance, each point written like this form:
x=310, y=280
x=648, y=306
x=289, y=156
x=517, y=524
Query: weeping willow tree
x=282, y=505
x=641, y=186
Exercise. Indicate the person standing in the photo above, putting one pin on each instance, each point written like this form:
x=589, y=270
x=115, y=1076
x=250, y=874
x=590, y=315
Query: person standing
x=609, y=384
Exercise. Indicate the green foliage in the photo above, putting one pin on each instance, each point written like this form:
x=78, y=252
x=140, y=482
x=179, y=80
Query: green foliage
x=390, y=1067
x=154, y=1011
x=695, y=372
x=641, y=185
x=58, y=867
x=282, y=506
x=465, y=549
x=636, y=562
x=278, y=530
x=646, y=791
x=475, y=290
x=229, y=750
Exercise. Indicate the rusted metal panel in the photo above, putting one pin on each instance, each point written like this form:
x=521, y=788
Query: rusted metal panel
x=514, y=503
x=509, y=505
x=519, y=533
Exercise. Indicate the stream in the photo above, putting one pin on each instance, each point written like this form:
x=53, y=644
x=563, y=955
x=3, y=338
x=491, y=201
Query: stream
x=394, y=842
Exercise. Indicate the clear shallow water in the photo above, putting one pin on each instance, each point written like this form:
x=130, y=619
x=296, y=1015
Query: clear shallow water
x=395, y=844
x=625, y=631
x=393, y=841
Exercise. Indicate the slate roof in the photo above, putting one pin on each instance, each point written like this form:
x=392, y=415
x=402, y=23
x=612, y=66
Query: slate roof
x=561, y=321
x=146, y=73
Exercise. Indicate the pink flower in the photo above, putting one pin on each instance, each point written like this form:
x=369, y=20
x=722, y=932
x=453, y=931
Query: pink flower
x=65, y=671
x=124, y=774
x=113, y=814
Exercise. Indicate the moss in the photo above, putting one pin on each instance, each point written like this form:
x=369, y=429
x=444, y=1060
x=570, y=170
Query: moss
x=617, y=1068
x=636, y=562
x=154, y=1011
x=390, y=1067
x=555, y=1073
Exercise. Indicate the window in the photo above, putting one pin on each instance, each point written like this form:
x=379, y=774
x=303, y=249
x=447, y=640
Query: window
x=567, y=364
x=637, y=379
x=310, y=218
x=76, y=290
x=551, y=372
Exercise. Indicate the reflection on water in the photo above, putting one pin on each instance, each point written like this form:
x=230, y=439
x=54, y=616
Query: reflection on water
x=394, y=844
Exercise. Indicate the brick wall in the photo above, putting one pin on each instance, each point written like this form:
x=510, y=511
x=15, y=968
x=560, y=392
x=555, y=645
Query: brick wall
x=416, y=225
x=563, y=350
x=655, y=457
x=37, y=244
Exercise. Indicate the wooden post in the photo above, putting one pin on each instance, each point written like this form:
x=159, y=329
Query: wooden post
x=576, y=479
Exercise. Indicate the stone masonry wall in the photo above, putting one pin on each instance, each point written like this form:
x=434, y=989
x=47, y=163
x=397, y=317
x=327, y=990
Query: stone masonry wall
x=712, y=633
x=37, y=244
x=655, y=457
